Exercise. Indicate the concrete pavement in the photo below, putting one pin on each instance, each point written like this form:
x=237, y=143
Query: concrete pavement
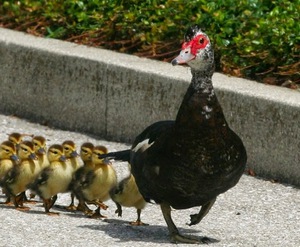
x=254, y=213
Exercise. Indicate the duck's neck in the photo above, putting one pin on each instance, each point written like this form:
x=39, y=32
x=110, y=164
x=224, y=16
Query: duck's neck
x=200, y=106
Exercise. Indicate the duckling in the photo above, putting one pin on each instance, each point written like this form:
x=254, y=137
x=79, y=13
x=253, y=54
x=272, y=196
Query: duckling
x=98, y=182
x=53, y=179
x=40, y=149
x=73, y=161
x=16, y=180
x=86, y=151
x=16, y=138
x=127, y=194
x=8, y=158
x=39, y=143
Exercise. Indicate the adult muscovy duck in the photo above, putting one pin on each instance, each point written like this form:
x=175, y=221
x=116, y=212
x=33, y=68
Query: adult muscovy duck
x=190, y=161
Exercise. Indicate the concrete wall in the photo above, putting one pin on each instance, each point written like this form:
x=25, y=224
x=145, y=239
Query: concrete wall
x=115, y=96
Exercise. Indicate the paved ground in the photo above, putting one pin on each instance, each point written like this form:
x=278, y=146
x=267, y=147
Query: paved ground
x=254, y=213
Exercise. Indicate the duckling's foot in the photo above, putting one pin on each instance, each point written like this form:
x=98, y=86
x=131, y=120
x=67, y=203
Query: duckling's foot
x=30, y=201
x=22, y=208
x=71, y=207
x=52, y=214
x=138, y=223
x=97, y=215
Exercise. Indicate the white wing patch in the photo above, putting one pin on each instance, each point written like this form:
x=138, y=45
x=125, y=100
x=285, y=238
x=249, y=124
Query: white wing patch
x=142, y=146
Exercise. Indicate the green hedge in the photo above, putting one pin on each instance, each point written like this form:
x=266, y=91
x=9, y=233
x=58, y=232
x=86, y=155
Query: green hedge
x=258, y=39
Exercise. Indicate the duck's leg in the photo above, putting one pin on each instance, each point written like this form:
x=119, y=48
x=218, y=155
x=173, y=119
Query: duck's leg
x=97, y=213
x=119, y=209
x=48, y=204
x=138, y=222
x=173, y=231
x=196, y=218
x=84, y=208
x=18, y=202
x=72, y=205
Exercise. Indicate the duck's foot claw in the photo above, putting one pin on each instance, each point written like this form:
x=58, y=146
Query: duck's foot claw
x=177, y=238
x=195, y=219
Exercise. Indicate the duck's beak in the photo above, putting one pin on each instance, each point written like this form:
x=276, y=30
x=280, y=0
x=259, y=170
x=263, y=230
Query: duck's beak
x=184, y=56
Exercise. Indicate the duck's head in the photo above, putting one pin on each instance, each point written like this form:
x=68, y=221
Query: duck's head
x=26, y=151
x=69, y=149
x=56, y=153
x=39, y=143
x=86, y=151
x=196, y=50
x=98, y=151
x=8, y=151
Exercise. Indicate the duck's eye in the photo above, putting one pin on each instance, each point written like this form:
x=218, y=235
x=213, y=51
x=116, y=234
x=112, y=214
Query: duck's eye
x=201, y=40
x=66, y=148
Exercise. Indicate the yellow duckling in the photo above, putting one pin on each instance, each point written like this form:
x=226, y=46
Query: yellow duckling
x=8, y=158
x=86, y=151
x=53, y=179
x=127, y=194
x=73, y=162
x=16, y=138
x=40, y=149
x=98, y=182
x=17, y=179
x=39, y=143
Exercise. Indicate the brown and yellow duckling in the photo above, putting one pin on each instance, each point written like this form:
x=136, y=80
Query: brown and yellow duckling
x=8, y=158
x=40, y=148
x=17, y=179
x=16, y=138
x=127, y=194
x=72, y=159
x=97, y=182
x=86, y=151
x=53, y=179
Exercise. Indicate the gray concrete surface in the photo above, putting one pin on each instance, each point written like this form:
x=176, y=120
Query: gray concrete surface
x=116, y=96
x=254, y=213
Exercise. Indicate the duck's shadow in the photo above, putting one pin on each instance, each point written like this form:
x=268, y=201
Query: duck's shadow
x=124, y=232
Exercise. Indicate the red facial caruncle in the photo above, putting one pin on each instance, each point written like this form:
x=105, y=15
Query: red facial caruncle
x=199, y=42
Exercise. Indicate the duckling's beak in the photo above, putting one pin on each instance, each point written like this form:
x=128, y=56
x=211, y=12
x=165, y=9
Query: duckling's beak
x=14, y=157
x=33, y=156
x=106, y=161
x=74, y=154
x=63, y=158
x=41, y=151
x=184, y=56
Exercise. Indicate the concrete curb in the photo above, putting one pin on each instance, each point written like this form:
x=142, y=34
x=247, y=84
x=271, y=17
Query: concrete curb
x=115, y=96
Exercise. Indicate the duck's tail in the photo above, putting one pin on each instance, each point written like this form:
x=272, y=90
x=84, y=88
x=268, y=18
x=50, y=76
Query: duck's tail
x=123, y=155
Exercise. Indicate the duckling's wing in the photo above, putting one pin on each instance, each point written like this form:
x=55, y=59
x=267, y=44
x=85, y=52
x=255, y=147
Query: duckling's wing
x=41, y=179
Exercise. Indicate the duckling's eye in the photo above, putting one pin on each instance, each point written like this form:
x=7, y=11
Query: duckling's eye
x=54, y=152
x=84, y=151
x=24, y=149
x=67, y=149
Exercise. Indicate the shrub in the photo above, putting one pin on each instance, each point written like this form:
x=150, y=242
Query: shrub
x=257, y=39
